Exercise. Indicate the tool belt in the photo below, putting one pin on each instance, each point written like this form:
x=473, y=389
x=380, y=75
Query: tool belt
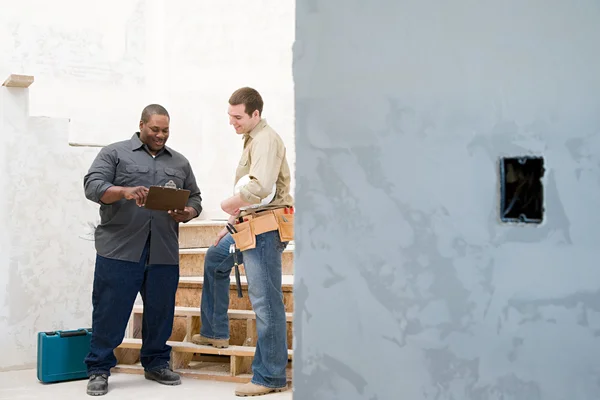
x=280, y=219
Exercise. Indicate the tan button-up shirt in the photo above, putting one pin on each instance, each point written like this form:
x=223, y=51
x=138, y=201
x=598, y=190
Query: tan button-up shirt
x=264, y=160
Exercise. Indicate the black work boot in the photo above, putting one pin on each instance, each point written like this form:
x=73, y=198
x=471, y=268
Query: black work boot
x=97, y=385
x=164, y=376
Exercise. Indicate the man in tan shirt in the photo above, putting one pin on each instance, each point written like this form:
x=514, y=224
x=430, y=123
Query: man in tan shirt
x=264, y=166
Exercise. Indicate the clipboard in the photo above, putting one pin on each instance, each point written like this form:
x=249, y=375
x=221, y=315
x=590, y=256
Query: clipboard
x=164, y=198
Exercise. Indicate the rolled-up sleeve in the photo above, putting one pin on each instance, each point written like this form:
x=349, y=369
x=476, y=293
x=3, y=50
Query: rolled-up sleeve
x=195, y=199
x=101, y=175
x=266, y=156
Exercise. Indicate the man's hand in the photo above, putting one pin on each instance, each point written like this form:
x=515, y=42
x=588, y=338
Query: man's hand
x=220, y=236
x=137, y=193
x=224, y=231
x=232, y=205
x=183, y=215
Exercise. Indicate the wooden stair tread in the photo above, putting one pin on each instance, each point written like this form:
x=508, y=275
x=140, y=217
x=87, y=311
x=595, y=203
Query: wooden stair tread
x=188, y=347
x=287, y=281
x=195, y=312
x=203, y=222
x=202, y=250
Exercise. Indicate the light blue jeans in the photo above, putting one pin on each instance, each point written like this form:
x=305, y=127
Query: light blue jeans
x=263, y=271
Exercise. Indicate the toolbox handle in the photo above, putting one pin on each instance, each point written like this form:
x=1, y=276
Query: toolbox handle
x=78, y=332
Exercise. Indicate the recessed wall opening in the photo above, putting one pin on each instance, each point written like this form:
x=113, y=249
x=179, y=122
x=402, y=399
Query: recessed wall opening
x=521, y=189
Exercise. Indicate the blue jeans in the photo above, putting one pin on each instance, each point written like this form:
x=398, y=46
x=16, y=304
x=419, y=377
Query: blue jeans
x=263, y=271
x=116, y=285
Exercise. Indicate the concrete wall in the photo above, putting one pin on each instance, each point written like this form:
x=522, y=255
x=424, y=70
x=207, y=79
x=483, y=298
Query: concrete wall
x=407, y=284
x=46, y=266
x=100, y=64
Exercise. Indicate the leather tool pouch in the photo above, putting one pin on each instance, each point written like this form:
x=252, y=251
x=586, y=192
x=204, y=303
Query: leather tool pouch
x=285, y=225
x=245, y=239
x=265, y=223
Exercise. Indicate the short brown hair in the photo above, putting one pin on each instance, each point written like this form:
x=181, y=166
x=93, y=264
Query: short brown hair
x=248, y=97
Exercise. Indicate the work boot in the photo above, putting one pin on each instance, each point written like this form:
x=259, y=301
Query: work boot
x=252, y=389
x=164, y=376
x=218, y=343
x=97, y=385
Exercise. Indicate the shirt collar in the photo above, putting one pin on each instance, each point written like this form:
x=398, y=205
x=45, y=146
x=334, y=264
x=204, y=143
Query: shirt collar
x=136, y=144
x=259, y=127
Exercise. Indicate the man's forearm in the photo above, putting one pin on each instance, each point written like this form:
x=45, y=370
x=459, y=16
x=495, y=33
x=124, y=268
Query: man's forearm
x=233, y=204
x=195, y=202
x=112, y=195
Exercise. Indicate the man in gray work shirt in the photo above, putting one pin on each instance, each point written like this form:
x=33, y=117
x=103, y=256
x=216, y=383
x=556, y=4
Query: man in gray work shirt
x=137, y=248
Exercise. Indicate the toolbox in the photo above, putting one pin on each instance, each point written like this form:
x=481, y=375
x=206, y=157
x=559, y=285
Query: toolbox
x=61, y=355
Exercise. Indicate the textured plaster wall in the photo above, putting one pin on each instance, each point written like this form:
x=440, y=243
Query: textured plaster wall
x=99, y=64
x=46, y=268
x=407, y=285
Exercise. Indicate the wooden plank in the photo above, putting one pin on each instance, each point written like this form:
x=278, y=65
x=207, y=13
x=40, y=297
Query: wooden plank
x=189, y=328
x=193, y=327
x=235, y=365
x=287, y=282
x=192, y=262
x=203, y=222
x=129, y=356
x=195, y=312
x=194, y=250
x=209, y=358
x=187, y=347
x=202, y=250
x=78, y=144
x=213, y=371
x=245, y=364
x=20, y=81
x=201, y=370
x=180, y=360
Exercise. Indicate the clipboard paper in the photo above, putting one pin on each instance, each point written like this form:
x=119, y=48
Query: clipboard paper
x=164, y=199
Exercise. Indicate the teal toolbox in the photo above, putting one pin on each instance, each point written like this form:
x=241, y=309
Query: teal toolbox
x=61, y=354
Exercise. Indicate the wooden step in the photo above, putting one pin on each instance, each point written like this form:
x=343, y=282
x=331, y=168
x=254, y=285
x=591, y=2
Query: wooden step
x=182, y=353
x=189, y=293
x=191, y=261
x=287, y=282
x=195, y=312
x=187, y=322
x=191, y=348
x=199, y=233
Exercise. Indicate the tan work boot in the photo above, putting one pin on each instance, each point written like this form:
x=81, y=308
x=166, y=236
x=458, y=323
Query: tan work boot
x=218, y=343
x=252, y=389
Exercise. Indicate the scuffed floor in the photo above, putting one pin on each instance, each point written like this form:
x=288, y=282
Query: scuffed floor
x=23, y=385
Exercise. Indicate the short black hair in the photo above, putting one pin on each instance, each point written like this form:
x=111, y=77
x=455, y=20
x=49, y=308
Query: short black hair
x=153, y=109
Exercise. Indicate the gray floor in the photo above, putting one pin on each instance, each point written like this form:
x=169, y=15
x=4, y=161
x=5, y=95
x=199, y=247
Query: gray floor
x=21, y=385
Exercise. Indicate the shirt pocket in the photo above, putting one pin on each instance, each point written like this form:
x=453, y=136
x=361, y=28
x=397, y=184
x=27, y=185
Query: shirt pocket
x=134, y=175
x=133, y=168
x=175, y=175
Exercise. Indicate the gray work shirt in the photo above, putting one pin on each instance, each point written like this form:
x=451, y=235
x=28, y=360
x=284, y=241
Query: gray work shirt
x=124, y=228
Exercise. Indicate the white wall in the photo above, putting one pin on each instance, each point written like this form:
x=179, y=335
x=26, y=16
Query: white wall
x=99, y=64
x=96, y=65
x=46, y=268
